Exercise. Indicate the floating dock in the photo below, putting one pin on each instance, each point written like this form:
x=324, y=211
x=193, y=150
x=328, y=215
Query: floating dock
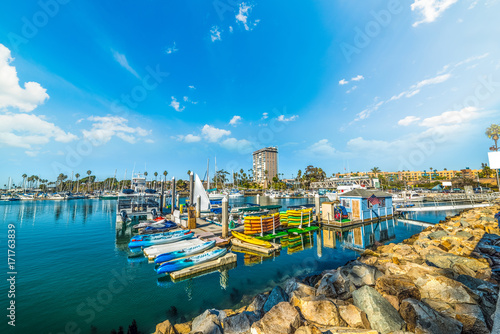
x=413, y=222
x=443, y=207
x=255, y=248
x=203, y=267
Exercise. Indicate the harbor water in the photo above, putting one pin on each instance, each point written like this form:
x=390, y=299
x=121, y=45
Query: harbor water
x=74, y=275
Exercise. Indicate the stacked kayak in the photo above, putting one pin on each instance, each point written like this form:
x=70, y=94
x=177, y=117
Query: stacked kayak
x=156, y=239
x=261, y=224
x=296, y=217
x=184, y=252
x=179, y=264
x=251, y=240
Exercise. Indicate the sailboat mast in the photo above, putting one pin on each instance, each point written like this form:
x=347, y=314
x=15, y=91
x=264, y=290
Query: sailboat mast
x=208, y=174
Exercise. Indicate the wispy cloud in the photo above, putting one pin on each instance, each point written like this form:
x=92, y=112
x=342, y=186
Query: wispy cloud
x=106, y=127
x=282, y=118
x=191, y=87
x=122, y=60
x=171, y=49
x=176, y=105
x=430, y=10
x=235, y=120
x=353, y=88
x=358, y=78
x=343, y=82
x=364, y=114
x=265, y=115
x=215, y=34
x=242, y=16
x=415, y=89
x=408, y=120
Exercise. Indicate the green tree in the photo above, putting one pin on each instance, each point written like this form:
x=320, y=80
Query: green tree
x=88, y=179
x=77, y=182
x=493, y=132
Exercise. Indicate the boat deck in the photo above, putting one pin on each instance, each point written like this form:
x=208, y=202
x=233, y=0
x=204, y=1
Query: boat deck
x=152, y=252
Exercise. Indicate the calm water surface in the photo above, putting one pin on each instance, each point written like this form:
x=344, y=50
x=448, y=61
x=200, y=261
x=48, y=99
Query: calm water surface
x=74, y=272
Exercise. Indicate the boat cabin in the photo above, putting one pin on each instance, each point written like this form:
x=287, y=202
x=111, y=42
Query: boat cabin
x=366, y=205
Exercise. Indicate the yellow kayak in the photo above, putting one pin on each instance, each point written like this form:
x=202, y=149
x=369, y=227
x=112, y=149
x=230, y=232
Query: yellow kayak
x=251, y=240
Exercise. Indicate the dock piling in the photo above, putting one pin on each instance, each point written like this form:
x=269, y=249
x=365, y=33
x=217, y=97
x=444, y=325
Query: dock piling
x=198, y=206
x=173, y=195
x=316, y=202
x=258, y=199
x=191, y=189
x=225, y=225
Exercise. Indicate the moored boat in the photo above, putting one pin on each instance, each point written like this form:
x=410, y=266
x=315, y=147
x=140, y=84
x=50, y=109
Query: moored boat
x=150, y=240
x=251, y=240
x=175, y=265
x=184, y=252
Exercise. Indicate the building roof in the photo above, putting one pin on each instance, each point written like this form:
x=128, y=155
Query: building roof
x=365, y=193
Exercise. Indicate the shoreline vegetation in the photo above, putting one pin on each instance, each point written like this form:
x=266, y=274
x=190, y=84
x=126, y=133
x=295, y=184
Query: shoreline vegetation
x=441, y=280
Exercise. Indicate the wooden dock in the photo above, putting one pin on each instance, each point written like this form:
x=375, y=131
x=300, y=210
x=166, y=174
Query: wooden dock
x=204, y=267
x=256, y=248
x=355, y=222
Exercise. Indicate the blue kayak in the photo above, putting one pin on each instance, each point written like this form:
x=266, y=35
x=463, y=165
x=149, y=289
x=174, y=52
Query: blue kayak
x=158, y=240
x=164, y=234
x=184, y=252
x=175, y=265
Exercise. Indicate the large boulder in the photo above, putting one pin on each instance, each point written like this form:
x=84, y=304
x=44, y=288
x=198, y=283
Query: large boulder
x=360, y=274
x=239, y=323
x=183, y=328
x=276, y=296
x=281, y=319
x=447, y=261
x=318, y=310
x=445, y=289
x=382, y=315
x=472, y=319
x=354, y=317
x=165, y=328
x=422, y=319
x=295, y=286
x=308, y=330
x=257, y=304
x=208, y=322
x=326, y=285
x=400, y=286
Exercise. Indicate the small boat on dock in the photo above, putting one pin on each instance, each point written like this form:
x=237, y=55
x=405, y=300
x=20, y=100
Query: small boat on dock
x=184, y=252
x=150, y=240
x=251, y=240
x=176, y=265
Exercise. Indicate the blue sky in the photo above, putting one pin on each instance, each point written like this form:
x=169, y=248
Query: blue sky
x=166, y=85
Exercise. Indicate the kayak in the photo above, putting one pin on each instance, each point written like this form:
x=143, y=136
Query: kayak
x=184, y=252
x=251, y=240
x=179, y=264
x=156, y=240
x=164, y=234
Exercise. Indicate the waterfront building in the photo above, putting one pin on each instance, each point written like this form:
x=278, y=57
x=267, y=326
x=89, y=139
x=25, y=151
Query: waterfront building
x=265, y=165
x=365, y=205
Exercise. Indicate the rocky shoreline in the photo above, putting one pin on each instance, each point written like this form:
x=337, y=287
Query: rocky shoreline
x=442, y=280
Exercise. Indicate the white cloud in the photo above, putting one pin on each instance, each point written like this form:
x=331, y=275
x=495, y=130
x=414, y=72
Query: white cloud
x=176, y=105
x=215, y=34
x=265, y=115
x=171, y=49
x=282, y=118
x=343, y=82
x=235, y=120
x=408, y=120
x=452, y=117
x=11, y=93
x=104, y=128
x=415, y=89
x=191, y=87
x=473, y=4
x=190, y=138
x=185, y=98
x=213, y=134
x=367, y=112
x=358, y=78
x=322, y=148
x=231, y=29
x=242, y=16
x=234, y=144
x=353, y=88
x=27, y=130
x=122, y=60
x=32, y=153
x=430, y=9
x=149, y=141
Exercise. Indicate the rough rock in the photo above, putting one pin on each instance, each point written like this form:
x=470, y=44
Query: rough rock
x=183, y=328
x=318, y=310
x=308, y=330
x=382, y=315
x=276, y=296
x=437, y=235
x=297, y=287
x=472, y=319
x=445, y=289
x=400, y=286
x=347, y=330
x=326, y=286
x=420, y=318
x=257, y=304
x=360, y=274
x=208, y=322
x=239, y=323
x=281, y=319
x=354, y=317
x=165, y=328
x=447, y=260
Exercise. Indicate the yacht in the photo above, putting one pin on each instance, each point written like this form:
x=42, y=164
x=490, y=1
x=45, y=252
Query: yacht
x=408, y=196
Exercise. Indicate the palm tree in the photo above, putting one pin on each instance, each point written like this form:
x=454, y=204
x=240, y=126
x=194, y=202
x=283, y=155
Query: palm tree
x=493, y=132
x=146, y=176
x=165, y=173
x=375, y=170
x=88, y=179
x=77, y=182
x=156, y=175
x=24, y=179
